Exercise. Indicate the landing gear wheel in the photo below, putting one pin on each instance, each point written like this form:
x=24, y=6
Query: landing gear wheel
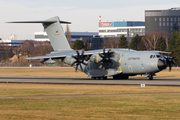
x=115, y=77
x=150, y=77
x=104, y=78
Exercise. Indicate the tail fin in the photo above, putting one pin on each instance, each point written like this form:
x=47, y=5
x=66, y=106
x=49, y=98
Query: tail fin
x=55, y=32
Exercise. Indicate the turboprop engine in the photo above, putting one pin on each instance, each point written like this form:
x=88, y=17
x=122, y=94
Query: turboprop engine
x=104, y=59
x=95, y=58
x=78, y=61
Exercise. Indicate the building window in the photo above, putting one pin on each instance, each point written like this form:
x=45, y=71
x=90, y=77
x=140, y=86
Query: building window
x=159, y=23
x=159, y=19
x=171, y=23
x=174, y=19
x=178, y=18
x=171, y=28
x=171, y=19
x=155, y=19
x=163, y=23
x=163, y=19
x=167, y=23
x=178, y=23
x=167, y=19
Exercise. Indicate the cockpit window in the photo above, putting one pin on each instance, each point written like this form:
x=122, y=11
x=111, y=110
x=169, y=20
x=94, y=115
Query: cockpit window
x=155, y=56
x=158, y=56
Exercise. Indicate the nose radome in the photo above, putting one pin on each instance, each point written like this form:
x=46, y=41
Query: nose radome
x=161, y=64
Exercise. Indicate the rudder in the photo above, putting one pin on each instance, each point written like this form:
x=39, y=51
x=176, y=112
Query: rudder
x=56, y=34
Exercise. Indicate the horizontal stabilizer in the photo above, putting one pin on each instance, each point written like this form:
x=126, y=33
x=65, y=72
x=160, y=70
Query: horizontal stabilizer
x=46, y=21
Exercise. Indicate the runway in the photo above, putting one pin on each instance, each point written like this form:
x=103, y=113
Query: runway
x=88, y=81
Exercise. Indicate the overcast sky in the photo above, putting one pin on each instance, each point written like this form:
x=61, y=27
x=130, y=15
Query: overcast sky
x=84, y=14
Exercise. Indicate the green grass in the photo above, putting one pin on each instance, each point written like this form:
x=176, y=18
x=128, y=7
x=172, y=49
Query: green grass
x=9, y=89
x=107, y=107
x=119, y=107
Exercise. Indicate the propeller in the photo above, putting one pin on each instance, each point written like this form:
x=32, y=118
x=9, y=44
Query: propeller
x=169, y=61
x=80, y=59
x=106, y=59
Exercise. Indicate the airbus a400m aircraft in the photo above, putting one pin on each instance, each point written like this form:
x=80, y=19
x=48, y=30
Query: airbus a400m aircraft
x=118, y=63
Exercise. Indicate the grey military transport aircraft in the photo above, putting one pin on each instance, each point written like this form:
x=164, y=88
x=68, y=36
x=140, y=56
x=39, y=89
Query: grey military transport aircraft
x=99, y=64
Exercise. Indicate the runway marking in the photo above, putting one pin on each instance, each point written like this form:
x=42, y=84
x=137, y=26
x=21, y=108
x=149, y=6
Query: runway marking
x=101, y=95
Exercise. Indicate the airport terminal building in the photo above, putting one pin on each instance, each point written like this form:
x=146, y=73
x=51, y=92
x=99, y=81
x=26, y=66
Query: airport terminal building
x=118, y=28
x=162, y=20
x=42, y=36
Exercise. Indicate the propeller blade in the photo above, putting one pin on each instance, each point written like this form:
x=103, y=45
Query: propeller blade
x=109, y=50
x=77, y=53
x=104, y=50
x=87, y=58
x=76, y=67
x=82, y=54
x=80, y=59
x=84, y=63
x=101, y=55
x=169, y=66
x=112, y=63
x=74, y=63
x=81, y=67
x=74, y=57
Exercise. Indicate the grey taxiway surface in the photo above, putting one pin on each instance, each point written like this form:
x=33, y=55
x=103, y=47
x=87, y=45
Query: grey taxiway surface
x=88, y=81
x=110, y=81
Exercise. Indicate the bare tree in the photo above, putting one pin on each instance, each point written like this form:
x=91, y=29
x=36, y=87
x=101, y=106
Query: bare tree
x=28, y=48
x=17, y=52
x=111, y=43
x=150, y=40
x=68, y=35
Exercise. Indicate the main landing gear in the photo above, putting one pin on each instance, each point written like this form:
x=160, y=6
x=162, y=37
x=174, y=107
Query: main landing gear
x=99, y=78
x=120, y=77
x=150, y=76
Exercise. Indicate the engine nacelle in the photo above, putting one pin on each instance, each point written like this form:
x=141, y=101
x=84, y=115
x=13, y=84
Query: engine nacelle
x=95, y=58
x=49, y=61
x=69, y=60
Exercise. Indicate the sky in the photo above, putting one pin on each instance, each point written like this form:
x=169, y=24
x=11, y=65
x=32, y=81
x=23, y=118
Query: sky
x=84, y=14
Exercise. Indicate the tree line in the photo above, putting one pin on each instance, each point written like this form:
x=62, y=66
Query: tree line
x=154, y=41
x=28, y=48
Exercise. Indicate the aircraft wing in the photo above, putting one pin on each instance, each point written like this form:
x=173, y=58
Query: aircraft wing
x=63, y=54
x=160, y=52
x=164, y=52
x=45, y=57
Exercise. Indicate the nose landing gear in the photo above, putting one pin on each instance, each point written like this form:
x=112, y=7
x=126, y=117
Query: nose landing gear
x=149, y=77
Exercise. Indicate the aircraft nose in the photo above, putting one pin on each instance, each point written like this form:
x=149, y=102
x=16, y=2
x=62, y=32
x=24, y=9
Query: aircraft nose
x=161, y=64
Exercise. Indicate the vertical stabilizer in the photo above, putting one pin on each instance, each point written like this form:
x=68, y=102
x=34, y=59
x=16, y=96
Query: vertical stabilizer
x=56, y=34
x=54, y=31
